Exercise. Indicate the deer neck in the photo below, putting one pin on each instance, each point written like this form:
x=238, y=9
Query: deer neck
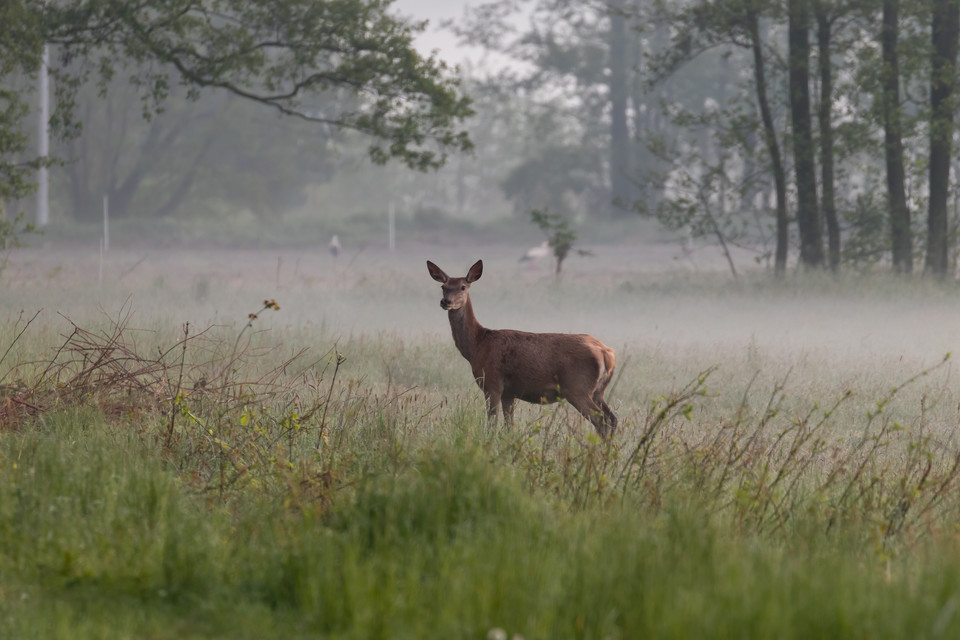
x=466, y=329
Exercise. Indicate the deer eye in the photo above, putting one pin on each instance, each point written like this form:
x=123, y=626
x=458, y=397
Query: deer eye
x=463, y=287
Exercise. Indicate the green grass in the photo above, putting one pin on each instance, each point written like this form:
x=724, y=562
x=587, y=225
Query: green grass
x=235, y=486
x=100, y=540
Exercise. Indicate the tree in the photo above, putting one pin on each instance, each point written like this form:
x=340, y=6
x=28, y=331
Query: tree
x=889, y=100
x=587, y=52
x=943, y=64
x=703, y=196
x=21, y=49
x=705, y=26
x=871, y=74
x=808, y=213
x=752, y=19
x=618, y=48
x=285, y=54
x=824, y=110
x=560, y=236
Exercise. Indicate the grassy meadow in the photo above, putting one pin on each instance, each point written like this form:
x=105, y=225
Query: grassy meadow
x=251, y=444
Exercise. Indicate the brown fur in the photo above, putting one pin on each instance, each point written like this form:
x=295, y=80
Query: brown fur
x=534, y=367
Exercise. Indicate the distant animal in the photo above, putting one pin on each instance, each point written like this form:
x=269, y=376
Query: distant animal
x=534, y=367
x=542, y=250
x=334, y=246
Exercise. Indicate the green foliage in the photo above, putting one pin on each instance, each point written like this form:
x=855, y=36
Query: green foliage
x=282, y=55
x=713, y=185
x=292, y=56
x=560, y=235
x=10, y=236
x=20, y=54
x=869, y=240
x=102, y=539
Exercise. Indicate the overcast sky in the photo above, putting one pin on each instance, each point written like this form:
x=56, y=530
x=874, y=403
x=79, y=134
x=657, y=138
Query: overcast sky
x=441, y=40
x=436, y=11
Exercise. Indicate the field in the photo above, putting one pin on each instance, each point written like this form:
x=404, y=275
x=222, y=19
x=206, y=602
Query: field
x=249, y=444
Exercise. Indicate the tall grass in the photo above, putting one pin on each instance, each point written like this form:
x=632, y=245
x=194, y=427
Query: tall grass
x=227, y=482
x=101, y=540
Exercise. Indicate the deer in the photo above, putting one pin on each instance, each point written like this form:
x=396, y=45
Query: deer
x=540, y=368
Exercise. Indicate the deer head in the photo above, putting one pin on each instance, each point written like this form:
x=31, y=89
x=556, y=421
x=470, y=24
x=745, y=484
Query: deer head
x=456, y=291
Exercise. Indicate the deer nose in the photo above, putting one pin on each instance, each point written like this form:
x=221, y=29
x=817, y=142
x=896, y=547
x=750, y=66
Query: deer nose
x=444, y=303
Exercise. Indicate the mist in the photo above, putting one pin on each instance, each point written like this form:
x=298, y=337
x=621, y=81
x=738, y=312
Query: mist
x=653, y=309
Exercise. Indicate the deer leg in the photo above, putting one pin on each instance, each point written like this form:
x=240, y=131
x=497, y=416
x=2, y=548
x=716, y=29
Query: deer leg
x=609, y=420
x=507, y=404
x=596, y=415
x=493, y=402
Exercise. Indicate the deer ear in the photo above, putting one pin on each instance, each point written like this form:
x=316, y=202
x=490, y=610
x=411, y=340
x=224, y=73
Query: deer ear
x=475, y=271
x=436, y=273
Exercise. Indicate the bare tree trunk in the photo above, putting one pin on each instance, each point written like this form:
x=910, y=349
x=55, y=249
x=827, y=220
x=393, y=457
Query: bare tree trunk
x=620, y=172
x=770, y=137
x=826, y=138
x=946, y=27
x=640, y=157
x=901, y=235
x=808, y=214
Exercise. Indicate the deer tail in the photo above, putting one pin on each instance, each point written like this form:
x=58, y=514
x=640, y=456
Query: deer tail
x=609, y=362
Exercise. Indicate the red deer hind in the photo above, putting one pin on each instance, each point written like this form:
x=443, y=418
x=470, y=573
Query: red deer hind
x=533, y=367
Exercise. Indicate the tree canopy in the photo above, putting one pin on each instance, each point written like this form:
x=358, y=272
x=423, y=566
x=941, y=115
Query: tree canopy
x=295, y=56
